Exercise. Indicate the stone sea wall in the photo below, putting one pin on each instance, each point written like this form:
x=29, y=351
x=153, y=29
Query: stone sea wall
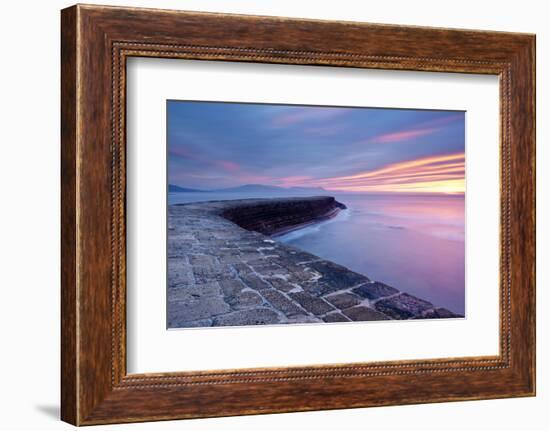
x=278, y=216
x=225, y=270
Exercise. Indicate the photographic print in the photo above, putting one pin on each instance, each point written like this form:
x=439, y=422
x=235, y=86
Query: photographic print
x=295, y=214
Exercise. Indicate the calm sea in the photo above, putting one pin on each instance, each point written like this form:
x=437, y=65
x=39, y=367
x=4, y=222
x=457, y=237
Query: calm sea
x=412, y=242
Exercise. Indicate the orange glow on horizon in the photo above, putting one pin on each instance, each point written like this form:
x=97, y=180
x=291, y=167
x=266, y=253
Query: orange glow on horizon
x=446, y=186
x=435, y=174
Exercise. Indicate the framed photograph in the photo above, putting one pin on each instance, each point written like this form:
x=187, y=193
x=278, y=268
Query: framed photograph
x=264, y=215
x=339, y=192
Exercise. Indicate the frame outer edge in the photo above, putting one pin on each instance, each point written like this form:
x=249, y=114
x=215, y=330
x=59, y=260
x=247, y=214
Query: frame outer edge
x=533, y=53
x=69, y=202
x=87, y=397
x=532, y=79
x=531, y=83
x=523, y=217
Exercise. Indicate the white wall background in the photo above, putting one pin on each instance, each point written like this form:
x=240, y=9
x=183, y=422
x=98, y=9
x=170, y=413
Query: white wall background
x=29, y=218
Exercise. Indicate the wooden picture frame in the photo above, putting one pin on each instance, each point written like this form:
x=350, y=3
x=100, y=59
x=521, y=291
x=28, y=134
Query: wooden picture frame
x=95, y=43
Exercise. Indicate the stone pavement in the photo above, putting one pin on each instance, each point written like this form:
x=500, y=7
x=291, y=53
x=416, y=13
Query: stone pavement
x=220, y=274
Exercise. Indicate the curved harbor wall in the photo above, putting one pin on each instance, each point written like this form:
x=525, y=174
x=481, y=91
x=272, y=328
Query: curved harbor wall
x=277, y=216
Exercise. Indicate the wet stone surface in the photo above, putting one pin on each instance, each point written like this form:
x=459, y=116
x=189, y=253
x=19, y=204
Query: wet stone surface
x=403, y=306
x=335, y=317
x=220, y=274
x=375, y=290
x=362, y=313
x=343, y=300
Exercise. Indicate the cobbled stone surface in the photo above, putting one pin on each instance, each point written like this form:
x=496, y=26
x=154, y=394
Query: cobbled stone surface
x=220, y=274
x=244, y=300
x=375, y=290
x=283, y=303
x=312, y=303
x=336, y=317
x=403, y=306
x=362, y=313
x=255, y=316
x=438, y=313
x=343, y=300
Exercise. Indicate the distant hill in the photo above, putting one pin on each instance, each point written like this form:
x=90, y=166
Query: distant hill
x=307, y=189
x=250, y=188
x=261, y=188
x=177, y=189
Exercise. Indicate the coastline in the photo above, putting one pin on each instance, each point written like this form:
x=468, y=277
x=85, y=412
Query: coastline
x=328, y=216
x=226, y=270
x=279, y=216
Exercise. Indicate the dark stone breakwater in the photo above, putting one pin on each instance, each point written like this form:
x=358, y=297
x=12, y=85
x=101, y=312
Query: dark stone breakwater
x=279, y=216
x=225, y=270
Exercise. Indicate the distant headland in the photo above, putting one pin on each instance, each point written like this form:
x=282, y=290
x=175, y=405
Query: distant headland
x=248, y=188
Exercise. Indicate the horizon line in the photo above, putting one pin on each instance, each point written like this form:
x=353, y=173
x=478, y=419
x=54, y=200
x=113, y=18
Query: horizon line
x=335, y=191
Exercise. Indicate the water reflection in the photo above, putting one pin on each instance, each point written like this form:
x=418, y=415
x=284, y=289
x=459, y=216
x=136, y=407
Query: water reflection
x=415, y=243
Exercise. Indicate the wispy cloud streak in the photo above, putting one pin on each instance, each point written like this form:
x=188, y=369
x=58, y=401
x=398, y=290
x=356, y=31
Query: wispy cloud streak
x=444, y=173
x=189, y=154
x=306, y=115
x=423, y=129
x=405, y=135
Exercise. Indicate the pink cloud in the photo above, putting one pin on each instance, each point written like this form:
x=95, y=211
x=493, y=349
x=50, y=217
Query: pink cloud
x=299, y=115
x=404, y=135
x=423, y=129
x=293, y=180
x=439, y=174
x=443, y=120
x=184, y=153
x=323, y=130
x=228, y=165
x=189, y=154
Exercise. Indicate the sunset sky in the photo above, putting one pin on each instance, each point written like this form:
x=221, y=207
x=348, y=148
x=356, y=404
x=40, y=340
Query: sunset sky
x=214, y=145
